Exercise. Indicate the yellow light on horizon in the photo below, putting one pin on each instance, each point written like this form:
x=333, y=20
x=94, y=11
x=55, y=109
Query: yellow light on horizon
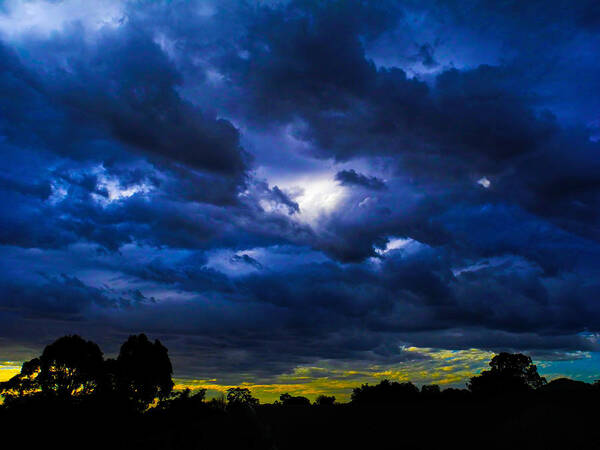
x=9, y=369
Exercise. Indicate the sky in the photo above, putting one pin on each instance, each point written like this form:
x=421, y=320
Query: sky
x=301, y=196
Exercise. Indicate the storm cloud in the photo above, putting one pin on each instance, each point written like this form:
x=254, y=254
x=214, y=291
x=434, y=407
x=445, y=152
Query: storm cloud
x=269, y=185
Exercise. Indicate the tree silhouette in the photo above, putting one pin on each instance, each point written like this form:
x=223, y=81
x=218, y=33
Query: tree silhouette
x=237, y=397
x=509, y=373
x=184, y=401
x=143, y=371
x=386, y=392
x=430, y=390
x=69, y=367
x=325, y=400
x=70, y=393
x=24, y=383
x=289, y=400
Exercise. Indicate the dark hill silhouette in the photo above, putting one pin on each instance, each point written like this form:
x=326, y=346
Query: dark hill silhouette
x=566, y=385
x=70, y=397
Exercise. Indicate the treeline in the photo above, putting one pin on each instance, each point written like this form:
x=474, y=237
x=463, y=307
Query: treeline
x=73, y=396
x=73, y=369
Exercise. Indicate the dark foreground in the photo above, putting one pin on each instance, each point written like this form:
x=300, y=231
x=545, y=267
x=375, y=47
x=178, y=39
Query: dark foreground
x=565, y=420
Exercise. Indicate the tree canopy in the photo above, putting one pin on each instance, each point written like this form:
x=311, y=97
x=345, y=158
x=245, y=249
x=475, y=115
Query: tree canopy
x=386, y=392
x=509, y=373
x=290, y=400
x=240, y=397
x=143, y=371
x=325, y=400
x=72, y=367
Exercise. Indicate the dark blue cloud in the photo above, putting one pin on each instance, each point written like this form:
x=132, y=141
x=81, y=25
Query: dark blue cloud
x=197, y=172
x=351, y=177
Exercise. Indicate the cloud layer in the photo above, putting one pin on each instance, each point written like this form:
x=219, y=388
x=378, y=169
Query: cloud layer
x=268, y=186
